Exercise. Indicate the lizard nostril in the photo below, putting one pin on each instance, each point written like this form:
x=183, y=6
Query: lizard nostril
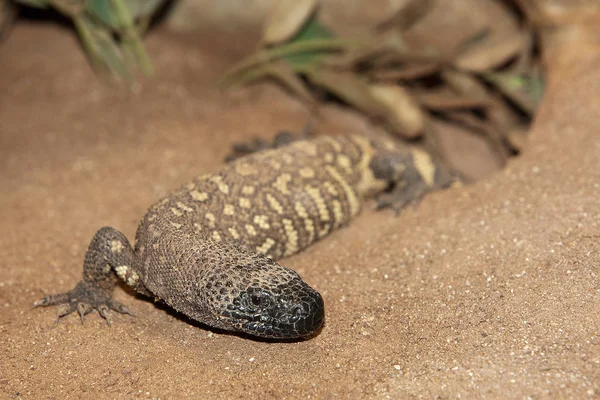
x=297, y=312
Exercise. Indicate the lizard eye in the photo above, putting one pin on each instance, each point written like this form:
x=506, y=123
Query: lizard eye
x=256, y=300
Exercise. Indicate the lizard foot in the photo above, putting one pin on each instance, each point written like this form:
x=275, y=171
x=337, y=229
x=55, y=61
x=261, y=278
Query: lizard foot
x=283, y=138
x=401, y=196
x=84, y=298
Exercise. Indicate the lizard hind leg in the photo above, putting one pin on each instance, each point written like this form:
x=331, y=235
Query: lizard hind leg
x=109, y=254
x=257, y=144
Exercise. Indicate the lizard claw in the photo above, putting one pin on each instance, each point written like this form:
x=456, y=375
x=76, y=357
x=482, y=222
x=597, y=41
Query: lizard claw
x=118, y=307
x=104, y=312
x=82, y=310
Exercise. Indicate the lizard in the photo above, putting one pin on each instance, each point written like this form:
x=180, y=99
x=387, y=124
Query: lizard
x=210, y=249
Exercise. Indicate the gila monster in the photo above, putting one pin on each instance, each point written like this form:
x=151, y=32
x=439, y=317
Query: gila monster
x=209, y=249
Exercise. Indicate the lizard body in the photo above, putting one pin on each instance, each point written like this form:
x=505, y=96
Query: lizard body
x=209, y=249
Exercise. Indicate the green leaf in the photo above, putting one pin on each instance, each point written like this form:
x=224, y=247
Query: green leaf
x=101, y=47
x=110, y=12
x=105, y=11
x=312, y=31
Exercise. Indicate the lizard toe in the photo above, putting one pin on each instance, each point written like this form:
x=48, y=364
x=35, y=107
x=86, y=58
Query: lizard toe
x=65, y=309
x=52, y=300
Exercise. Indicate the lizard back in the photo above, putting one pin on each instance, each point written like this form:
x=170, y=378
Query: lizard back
x=273, y=203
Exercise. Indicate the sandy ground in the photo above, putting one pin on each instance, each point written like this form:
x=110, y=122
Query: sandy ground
x=491, y=290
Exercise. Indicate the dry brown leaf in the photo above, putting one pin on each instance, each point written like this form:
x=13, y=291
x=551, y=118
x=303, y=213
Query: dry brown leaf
x=405, y=73
x=444, y=101
x=484, y=127
x=524, y=61
x=506, y=120
x=407, y=16
x=502, y=115
x=465, y=84
x=281, y=71
x=491, y=52
x=404, y=115
x=286, y=19
x=350, y=88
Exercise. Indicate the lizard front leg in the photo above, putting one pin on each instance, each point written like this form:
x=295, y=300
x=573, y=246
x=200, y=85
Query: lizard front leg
x=109, y=255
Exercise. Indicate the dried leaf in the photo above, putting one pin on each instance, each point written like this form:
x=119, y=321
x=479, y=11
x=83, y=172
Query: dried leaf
x=405, y=73
x=70, y=8
x=524, y=60
x=397, y=56
x=444, y=101
x=533, y=12
x=490, y=53
x=281, y=71
x=318, y=50
x=465, y=84
x=501, y=115
x=286, y=20
x=407, y=16
x=472, y=40
x=350, y=88
x=480, y=126
x=404, y=115
x=34, y=3
x=370, y=46
x=143, y=8
x=383, y=56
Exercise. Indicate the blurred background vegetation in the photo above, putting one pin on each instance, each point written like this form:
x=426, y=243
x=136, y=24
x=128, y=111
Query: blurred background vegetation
x=110, y=31
x=486, y=77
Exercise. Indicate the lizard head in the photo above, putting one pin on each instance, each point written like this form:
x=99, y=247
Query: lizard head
x=225, y=286
x=264, y=299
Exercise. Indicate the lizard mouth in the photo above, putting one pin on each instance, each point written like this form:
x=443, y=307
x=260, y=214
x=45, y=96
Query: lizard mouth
x=299, y=321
